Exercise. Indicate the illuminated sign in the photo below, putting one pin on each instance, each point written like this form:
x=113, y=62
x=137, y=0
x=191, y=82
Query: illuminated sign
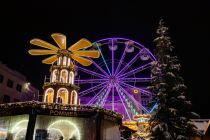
x=62, y=113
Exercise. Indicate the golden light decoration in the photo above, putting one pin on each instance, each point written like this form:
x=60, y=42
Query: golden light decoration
x=131, y=125
x=74, y=51
x=135, y=91
x=142, y=116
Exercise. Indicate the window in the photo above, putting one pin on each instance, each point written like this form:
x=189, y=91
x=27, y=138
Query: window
x=55, y=75
x=6, y=99
x=1, y=78
x=10, y=83
x=18, y=87
x=71, y=78
x=59, y=60
x=49, y=95
x=64, y=60
x=62, y=95
x=64, y=76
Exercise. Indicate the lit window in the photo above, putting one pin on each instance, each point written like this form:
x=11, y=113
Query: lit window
x=63, y=94
x=55, y=75
x=64, y=60
x=49, y=95
x=64, y=76
x=69, y=60
x=74, y=97
x=71, y=78
x=59, y=60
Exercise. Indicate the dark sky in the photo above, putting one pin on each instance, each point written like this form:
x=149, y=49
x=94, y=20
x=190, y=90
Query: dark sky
x=189, y=27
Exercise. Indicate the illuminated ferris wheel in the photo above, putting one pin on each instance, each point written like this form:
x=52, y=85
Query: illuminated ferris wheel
x=118, y=79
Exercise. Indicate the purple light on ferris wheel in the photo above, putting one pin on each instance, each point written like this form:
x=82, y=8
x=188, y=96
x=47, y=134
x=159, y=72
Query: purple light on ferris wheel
x=121, y=59
x=112, y=77
x=94, y=63
x=148, y=65
x=96, y=96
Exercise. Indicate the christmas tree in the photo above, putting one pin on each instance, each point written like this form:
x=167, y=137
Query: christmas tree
x=171, y=119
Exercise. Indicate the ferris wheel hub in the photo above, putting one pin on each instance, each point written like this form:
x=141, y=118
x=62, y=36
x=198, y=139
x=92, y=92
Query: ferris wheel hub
x=112, y=79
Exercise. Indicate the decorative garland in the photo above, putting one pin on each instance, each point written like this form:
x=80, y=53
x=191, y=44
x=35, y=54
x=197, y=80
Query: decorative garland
x=66, y=107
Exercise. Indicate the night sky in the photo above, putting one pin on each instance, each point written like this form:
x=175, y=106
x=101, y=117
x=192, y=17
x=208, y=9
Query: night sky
x=189, y=27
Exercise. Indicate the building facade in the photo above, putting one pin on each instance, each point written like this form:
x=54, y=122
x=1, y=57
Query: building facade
x=14, y=86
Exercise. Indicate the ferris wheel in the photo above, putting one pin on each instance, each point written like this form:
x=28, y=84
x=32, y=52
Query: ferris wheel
x=119, y=78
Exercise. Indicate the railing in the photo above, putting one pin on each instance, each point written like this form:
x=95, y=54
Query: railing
x=46, y=79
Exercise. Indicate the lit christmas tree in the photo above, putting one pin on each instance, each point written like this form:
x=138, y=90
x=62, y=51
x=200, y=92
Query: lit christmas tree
x=171, y=119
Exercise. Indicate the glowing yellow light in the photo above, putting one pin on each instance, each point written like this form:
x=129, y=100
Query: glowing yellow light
x=75, y=51
x=71, y=78
x=72, y=134
x=26, y=87
x=66, y=122
x=49, y=94
x=23, y=129
x=142, y=116
x=63, y=94
x=19, y=127
x=64, y=76
x=57, y=130
x=135, y=91
x=20, y=123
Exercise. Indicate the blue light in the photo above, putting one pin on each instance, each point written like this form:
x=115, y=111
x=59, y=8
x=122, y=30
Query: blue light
x=154, y=107
x=103, y=59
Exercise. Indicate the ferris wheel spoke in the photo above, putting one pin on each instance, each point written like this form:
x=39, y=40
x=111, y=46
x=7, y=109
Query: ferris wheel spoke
x=143, y=91
x=96, y=96
x=123, y=104
x=129, y=64
x=134, y=100
x=135, y=79
x=91, y=72
x=105, y=97
x=148, y=65
x=102, y=97
x=104, y=60
x=95, y=64
x=85, y=81
x=121, y=60
x=112, y=57
x=125, y=92
x=112, y=98
x=84, y=92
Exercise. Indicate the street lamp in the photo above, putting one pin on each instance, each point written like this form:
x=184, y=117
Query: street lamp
x=26, y=86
